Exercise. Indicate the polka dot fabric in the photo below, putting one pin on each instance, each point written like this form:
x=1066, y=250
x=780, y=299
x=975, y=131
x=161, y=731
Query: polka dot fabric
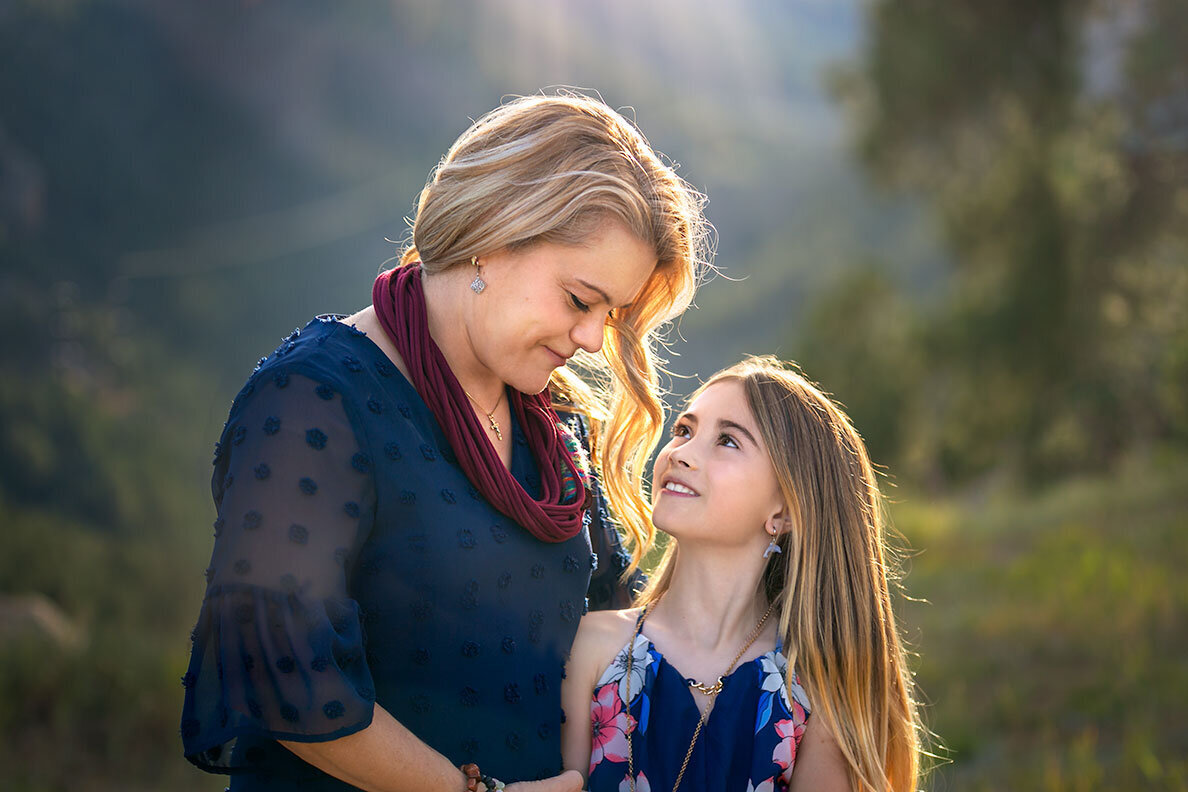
x=354, y=563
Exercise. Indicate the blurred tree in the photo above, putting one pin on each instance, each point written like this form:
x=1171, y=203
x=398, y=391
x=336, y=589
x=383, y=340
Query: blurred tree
x=1052, y=140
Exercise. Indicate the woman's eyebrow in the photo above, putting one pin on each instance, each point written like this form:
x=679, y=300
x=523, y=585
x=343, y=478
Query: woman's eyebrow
x=601, y=293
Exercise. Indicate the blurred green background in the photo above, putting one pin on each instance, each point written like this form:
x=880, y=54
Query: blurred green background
x=968, y=220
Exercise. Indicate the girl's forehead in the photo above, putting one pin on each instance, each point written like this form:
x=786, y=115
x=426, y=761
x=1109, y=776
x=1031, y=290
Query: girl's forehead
x=724, y=398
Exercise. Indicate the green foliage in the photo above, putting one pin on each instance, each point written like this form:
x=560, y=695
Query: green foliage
x=1064, y=205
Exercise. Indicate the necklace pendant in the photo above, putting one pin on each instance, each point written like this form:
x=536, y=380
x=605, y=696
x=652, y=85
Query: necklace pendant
x=495, y=427
x=704, y=689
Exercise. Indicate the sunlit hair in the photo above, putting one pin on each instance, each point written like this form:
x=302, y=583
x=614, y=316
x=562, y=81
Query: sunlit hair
x=556, y=169
x=831, y=580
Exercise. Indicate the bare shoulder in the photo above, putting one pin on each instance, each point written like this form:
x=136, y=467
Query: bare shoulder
x=820, y=765
x=600, y=636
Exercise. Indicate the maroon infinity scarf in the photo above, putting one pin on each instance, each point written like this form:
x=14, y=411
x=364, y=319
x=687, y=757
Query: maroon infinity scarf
x=399, y=300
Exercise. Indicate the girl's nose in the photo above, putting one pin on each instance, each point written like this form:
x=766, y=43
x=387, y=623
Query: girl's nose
x=682, y=455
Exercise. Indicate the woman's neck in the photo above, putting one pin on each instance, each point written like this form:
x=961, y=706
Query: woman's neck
x=713, y=601
x=445, y=308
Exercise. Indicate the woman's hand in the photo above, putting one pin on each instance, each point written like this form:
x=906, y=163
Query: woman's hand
x=569, y=781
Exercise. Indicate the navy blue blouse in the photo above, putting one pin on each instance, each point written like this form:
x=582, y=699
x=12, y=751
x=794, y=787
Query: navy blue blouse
x=355, y=563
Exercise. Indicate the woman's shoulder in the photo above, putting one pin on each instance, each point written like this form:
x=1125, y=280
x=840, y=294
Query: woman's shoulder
x=326, y=357
x=332, y=349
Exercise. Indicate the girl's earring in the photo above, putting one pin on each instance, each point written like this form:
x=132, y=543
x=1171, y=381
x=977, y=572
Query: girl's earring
x=772, y=547
x=478, y=284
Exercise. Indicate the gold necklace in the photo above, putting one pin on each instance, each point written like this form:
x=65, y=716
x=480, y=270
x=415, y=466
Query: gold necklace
x=710, y=690
x=490, y=415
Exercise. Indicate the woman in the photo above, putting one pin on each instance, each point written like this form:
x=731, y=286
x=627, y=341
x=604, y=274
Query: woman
x=407, y=531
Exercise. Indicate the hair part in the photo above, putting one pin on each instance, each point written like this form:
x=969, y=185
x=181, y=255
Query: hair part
x=556, y=169
x=832, y=578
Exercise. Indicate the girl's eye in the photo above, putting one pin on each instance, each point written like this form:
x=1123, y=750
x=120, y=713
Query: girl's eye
x=727, y=441
x=581, y=306
x=680, y=430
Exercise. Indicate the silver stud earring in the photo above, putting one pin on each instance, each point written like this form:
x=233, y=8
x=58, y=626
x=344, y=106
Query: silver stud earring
x=478, y=284
x=772, y=547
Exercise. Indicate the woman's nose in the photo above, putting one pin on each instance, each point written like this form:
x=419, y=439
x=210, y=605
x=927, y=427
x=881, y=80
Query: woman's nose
x=588, y=333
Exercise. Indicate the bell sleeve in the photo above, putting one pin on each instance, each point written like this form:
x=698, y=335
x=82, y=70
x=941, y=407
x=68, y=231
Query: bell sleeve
x=279, y=651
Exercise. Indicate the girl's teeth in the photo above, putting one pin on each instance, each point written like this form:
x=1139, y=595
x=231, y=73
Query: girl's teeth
x=673, y=487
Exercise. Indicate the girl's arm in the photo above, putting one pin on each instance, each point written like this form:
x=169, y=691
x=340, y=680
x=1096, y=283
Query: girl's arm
x=820, y=765
x=599, y=637
x=387, y=757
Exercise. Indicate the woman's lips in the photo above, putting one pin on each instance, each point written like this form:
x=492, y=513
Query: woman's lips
x=558, y=360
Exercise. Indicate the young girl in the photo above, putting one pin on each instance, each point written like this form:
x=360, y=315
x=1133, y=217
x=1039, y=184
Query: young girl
x=764, y=654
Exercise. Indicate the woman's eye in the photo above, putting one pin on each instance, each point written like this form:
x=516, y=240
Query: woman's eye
x=680, y=430
x=581, y=306
x=728, y=441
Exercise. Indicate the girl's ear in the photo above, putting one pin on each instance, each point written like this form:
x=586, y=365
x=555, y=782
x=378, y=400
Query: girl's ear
x=779, y=523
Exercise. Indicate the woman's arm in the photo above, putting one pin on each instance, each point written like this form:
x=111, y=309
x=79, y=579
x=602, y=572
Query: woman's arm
x=820, y=765
x=387, y=757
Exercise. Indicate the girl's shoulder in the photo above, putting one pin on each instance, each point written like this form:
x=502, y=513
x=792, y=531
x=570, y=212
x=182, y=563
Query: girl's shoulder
x=600, y=636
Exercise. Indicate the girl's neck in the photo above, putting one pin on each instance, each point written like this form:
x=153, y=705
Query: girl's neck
x=713, y=601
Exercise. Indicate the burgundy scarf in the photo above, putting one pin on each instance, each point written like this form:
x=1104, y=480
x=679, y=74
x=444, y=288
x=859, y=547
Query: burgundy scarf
x=399, y=301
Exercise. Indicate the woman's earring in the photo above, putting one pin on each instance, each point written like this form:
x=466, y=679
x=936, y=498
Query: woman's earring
x=478, y=284
x=772, y=547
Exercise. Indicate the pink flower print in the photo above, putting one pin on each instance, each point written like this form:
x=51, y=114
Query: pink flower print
x=765, y=786
x=611, y=725
x=641, y=783
x=784, y=755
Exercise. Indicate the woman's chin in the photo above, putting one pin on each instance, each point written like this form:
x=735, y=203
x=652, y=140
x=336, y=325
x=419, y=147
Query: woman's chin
x=530, y=384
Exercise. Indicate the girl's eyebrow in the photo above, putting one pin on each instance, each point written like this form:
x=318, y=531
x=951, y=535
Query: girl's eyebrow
x=724, y=423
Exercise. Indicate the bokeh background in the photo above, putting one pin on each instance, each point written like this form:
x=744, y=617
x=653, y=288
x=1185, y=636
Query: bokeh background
x=967, y=219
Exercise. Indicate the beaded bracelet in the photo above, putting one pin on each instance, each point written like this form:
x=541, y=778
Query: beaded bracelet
x=474, y=777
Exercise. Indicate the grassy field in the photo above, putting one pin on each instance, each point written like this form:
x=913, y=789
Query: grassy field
x=1050, y=632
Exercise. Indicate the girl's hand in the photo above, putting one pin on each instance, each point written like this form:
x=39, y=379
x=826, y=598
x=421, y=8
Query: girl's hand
x=569, y=781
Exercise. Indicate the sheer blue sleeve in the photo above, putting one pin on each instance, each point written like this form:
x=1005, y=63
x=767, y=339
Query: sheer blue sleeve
x=279, y=648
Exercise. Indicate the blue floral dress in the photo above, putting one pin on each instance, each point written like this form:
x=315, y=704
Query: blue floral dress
x=748, y=743
x=355, y=564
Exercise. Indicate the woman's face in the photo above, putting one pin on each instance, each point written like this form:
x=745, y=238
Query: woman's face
x=545, y=302
x=714, y=481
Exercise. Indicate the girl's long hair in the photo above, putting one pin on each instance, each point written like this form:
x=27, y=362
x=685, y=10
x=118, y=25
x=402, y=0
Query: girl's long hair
x=831, y=580
x=554, y=169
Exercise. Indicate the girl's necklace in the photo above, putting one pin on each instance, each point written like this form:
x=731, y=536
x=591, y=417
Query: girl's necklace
x=710, y=690
x=490, y=415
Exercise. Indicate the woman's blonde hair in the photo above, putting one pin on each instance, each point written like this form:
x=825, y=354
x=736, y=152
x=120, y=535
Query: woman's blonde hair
x=555, y=169
x=831, y=579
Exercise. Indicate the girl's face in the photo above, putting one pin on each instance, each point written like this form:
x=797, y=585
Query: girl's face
x=546, y=302
x=714, y=481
